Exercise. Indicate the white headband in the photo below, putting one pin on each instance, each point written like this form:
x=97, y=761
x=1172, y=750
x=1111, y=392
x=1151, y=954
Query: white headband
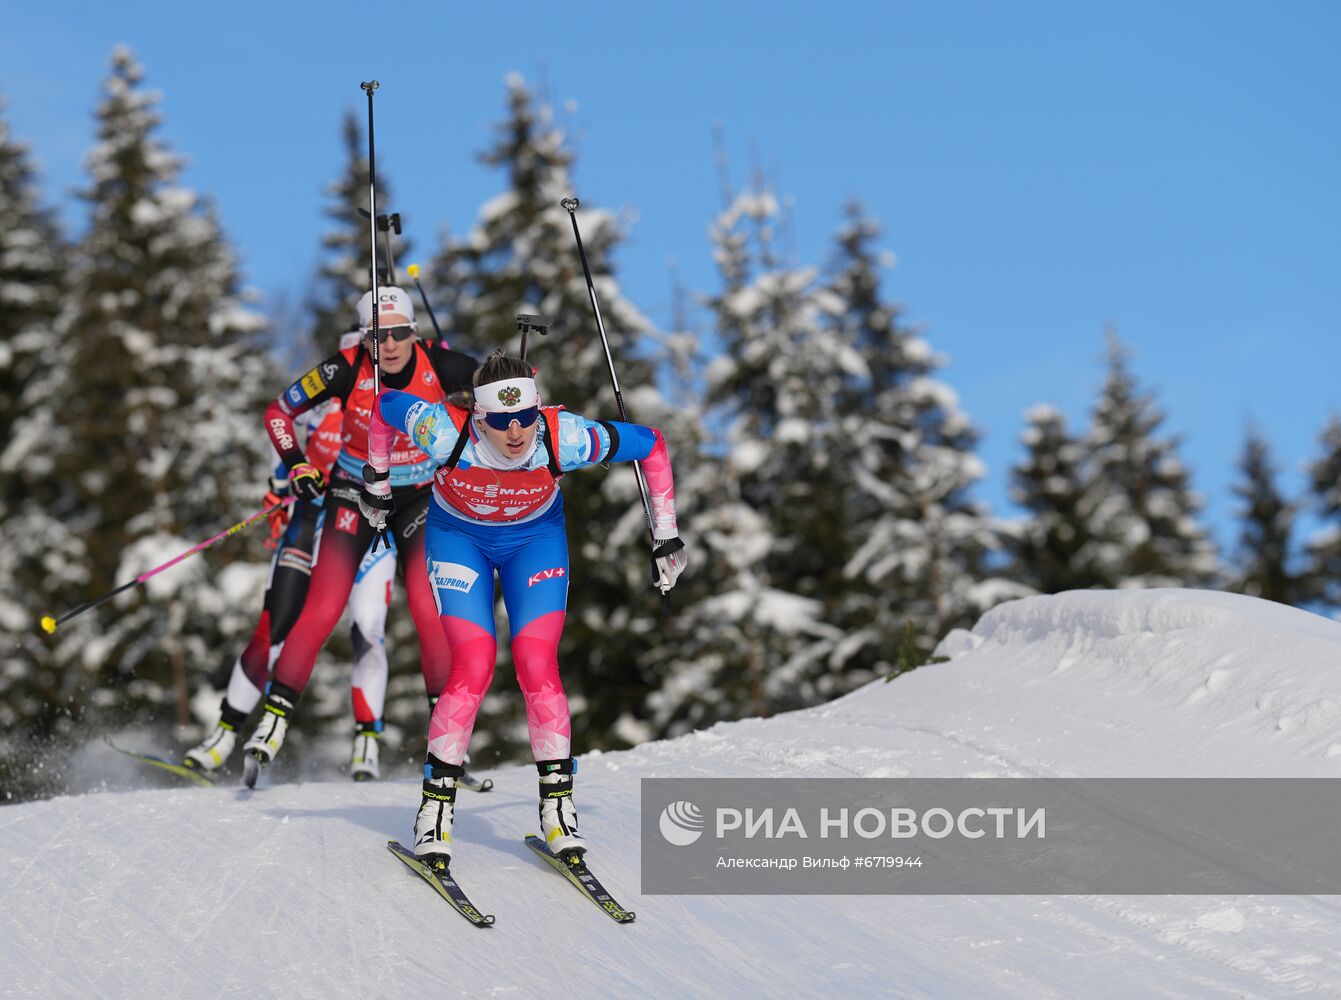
x=506, y=396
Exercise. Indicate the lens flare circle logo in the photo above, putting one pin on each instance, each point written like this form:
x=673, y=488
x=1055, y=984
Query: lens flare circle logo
x=682, y=823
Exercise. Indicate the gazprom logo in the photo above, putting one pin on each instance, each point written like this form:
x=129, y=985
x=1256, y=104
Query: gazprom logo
x=453, y=576
x=682, y=823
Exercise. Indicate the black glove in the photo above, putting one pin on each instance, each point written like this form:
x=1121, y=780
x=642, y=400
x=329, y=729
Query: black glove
x=375, y=502
x=669, y=559
x=306, y=481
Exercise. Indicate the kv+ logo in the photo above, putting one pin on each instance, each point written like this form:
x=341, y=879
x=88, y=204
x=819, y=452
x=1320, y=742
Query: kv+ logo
x=682, y=823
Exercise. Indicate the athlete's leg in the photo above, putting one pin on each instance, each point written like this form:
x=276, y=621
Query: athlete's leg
x=367, y=628
x=535, y=592
x=408, y=524
x=285, y=592
x=462, y=581
x=292, y=571
x=284, y=595
x=345, y=536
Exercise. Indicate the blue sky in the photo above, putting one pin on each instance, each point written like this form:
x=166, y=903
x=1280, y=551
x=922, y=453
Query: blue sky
x=1042, y=170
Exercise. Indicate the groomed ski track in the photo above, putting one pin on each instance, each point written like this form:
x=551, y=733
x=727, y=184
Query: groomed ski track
x=289, y=891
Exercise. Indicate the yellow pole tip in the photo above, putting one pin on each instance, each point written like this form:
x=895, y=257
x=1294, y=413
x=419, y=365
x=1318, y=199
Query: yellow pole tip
x=48, y=624
x=412, y=270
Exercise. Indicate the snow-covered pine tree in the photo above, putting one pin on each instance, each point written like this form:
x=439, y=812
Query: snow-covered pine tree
x=1052, y=550
x=342, y=277
x=922, y=565
x=772, y=532
x=1322, y=570
x=1262, y=565
x=146, y=428
x=520, y=257
x=1145, y=510
x=32, y=256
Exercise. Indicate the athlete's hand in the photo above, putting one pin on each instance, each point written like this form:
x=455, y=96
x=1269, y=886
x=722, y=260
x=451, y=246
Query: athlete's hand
x=306, y=481
x=669, y=559
x=375, y=502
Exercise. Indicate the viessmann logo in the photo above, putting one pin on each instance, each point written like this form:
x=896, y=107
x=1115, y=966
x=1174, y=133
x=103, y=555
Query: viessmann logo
x=682, y=823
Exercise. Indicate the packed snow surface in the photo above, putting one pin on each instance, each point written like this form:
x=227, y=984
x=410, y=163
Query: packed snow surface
x=289, y=891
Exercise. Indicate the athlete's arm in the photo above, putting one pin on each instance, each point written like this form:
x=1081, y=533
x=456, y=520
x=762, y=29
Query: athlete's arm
x=429, y=425
x=332, y=378
x=584, y=442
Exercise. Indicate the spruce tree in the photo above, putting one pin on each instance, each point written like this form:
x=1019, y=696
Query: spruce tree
x=776, y=391
x=1054, y=548
x=148, y=436
x=520, y=257
x=1145, y=510
x=922, y=567
x=32, y=256
x=1262, y=565
x=1322, y=571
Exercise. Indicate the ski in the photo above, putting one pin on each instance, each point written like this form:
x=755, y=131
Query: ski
x=191, y=774
x=575, y=870
x=445, y=884
x=475, y=784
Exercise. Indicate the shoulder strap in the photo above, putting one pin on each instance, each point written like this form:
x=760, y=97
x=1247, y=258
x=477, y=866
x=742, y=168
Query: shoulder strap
x=551, y=414
x=354, y=378
x=461, y=440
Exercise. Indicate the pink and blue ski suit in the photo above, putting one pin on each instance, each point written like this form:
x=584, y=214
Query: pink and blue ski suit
x=510, y=521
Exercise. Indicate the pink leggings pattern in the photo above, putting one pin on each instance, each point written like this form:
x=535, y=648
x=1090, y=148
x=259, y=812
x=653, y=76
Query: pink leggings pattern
x=535, y=651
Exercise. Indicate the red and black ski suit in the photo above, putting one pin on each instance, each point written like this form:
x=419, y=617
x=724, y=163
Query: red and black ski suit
x=432, y=374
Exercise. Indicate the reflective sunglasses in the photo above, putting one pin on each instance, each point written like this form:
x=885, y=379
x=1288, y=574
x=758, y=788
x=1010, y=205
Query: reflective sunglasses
x=399, y=332
x=502, y=421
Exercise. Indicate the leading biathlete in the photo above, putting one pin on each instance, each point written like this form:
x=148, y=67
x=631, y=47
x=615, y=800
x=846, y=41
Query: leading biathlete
x=497, y=509
x=427, y=373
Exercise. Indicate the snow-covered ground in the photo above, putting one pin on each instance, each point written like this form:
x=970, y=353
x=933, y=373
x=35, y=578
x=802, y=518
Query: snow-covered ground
x=289, y=892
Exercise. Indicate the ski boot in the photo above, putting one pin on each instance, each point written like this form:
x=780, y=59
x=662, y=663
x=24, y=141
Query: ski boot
x=363, y=764
x=264, y=744
x=437, y=810
x=558, y=815
x=212, y=753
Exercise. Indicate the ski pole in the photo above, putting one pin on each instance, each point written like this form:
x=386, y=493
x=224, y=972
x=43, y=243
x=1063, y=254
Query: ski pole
x=413, y=272
x=50, y=624
x=369, y=87
x=570, y=205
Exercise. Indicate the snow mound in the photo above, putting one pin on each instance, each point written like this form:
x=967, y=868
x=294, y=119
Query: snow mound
x=290, y=892
x=1170, y=683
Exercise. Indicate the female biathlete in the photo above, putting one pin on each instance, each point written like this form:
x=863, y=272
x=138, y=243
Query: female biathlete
x=285, y=593
x=427, y=373
x=497, y=508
